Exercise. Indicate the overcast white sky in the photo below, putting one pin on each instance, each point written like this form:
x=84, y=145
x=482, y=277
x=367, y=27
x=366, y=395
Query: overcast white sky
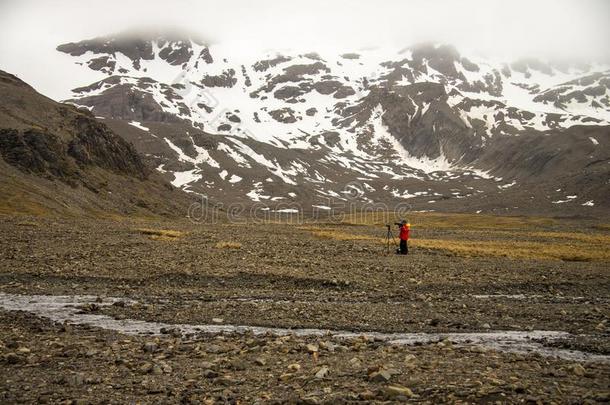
x=31, y=29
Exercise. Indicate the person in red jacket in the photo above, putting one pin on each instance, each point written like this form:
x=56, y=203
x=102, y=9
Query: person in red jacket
x=405, y=228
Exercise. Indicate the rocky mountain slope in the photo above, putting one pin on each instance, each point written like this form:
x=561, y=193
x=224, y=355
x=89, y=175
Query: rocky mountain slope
x=55, y=157
x=424, y=125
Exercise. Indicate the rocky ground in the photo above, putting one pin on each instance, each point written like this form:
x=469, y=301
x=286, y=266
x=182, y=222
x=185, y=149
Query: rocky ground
x=283, y=275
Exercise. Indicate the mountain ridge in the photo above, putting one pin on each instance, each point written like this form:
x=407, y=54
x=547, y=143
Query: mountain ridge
x=402, y=125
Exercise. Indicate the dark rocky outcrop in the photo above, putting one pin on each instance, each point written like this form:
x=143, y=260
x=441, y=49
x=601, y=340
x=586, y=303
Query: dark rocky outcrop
x=293, y=74
x=263, y=65
x=127, y=103
x=350, y=56
x=103, y=64
x=285, y=115
x=226, y=79
x=176, y=53
x=74, y=140
x=137, y=46
x=289, y=92
x=206, y=56
x=135, y=49
x=34, y=151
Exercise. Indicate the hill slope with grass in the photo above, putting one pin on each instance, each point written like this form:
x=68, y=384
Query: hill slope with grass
x=55, y=158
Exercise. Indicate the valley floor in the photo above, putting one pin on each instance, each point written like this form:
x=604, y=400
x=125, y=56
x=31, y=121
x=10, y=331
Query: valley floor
x=467, y=278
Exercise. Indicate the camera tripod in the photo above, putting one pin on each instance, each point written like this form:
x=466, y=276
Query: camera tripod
x=389, y=235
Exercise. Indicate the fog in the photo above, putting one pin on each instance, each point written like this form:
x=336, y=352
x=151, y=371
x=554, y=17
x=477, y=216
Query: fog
x=507, y=30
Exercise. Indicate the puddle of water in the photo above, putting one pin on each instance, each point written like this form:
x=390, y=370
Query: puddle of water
x=511, y=296
x=61, y=308
x=307, y=302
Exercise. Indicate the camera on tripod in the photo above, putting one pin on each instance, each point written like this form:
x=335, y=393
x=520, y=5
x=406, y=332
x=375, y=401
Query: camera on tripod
x=391, y=241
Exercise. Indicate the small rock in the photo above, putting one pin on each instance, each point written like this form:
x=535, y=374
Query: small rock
x=154, y=389
x=496, y=381
x=23, y=350
x=206, y=365
x=330, y=346
x=44, y=399
x=519, y=388
x=311, y=348
x=146, y=368
x=322, y=373
x=75, y=380
x=486, y=326
x=237, y=364
x=382, y=375
x=533, y=400
x=218, y=320
x=93, y=380
x=12, y=358
x=396, y=390
x=446, y=343
x=260, y=361
x=90, y=307
x=226, y=380
x=210, y=374
x=286, y=377
x=150, y=347
x=578, y=370
x=294, y=367
x=175, y=332
x=355, y=362
x=367, y=395
x=213, y=349
x=309, y=400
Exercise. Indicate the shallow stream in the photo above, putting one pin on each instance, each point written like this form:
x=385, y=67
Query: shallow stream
x=62, y=308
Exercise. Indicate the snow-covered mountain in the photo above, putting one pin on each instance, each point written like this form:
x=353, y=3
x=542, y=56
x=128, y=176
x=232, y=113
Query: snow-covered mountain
x=424, y=124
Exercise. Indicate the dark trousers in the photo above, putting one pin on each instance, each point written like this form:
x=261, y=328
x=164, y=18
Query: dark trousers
x=404, y=248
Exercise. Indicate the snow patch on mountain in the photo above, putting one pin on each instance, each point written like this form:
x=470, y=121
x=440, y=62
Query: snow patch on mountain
x=424, y=164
